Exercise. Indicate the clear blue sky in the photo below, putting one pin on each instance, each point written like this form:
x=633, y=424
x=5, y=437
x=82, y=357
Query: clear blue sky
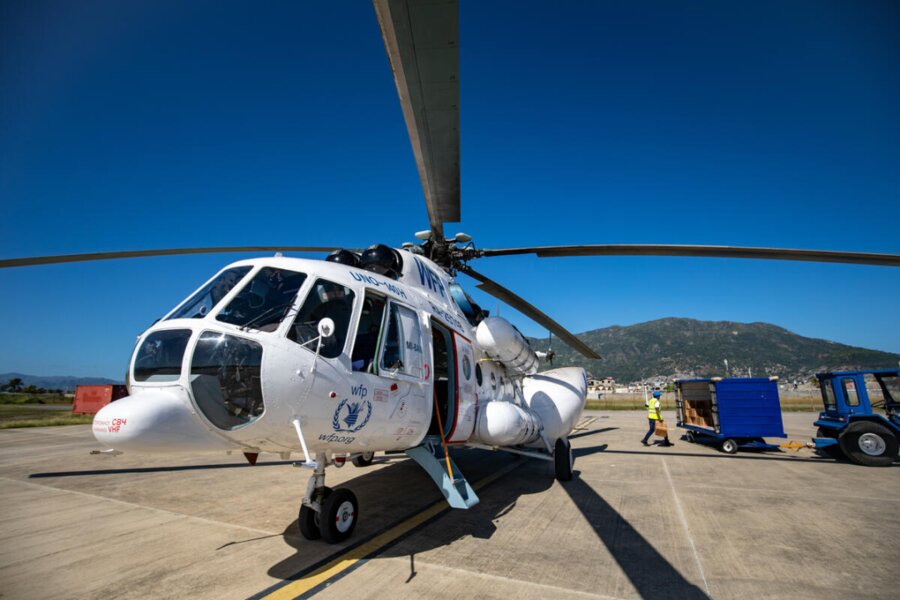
x=154, y=124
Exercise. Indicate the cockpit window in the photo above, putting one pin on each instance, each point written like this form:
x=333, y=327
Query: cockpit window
x=402, y=351
x=159, y=356
x=201, y=303
x=265, y=301
x=225, y=379
x=366, y=344
x=326, y=299
x=474, y=313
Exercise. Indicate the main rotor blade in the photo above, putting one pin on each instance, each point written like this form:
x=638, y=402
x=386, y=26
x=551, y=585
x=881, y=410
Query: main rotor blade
x=422, y=42
x=863, y=258
x=70, y=258
x=498, y=291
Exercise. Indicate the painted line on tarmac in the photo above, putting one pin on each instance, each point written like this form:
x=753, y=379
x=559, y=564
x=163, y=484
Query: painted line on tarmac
x=684, y=524
x=584, y=424
x=461, y=573
x=320, y=575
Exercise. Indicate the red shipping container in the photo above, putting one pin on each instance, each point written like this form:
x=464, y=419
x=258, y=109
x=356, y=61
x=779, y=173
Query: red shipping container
x=89, y=399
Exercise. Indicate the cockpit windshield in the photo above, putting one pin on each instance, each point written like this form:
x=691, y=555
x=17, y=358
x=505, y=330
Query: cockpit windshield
x=201, y=303
x=325, y=299
x=265, y=301
x=159, y=356
x=226, y=380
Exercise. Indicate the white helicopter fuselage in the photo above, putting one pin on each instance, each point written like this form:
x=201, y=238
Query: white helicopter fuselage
x=208, y=377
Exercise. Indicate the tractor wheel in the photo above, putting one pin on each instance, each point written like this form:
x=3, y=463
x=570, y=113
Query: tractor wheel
x=834, y=451
x=364, y=459
x=340, y=512
x=562, y=457
x=309, y=519
x=869, y=444
x=729, y=446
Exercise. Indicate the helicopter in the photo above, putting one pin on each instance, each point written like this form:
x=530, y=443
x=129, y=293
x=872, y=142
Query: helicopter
x=371, y=350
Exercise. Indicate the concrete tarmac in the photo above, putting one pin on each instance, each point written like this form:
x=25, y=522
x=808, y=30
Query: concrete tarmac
x=679, y=522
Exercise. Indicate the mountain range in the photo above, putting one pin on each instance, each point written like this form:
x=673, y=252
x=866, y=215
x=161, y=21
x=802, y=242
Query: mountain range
x=64, y=382
x=687, y=347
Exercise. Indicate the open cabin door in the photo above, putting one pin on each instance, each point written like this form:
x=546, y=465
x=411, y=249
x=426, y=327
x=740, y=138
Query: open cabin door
x=466, y=398
x=443, y=376
x=453, y=365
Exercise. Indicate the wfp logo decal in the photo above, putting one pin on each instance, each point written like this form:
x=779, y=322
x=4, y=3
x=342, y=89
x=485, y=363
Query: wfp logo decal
x=352, y=415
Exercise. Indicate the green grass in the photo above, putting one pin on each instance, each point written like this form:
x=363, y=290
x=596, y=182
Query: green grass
x=17, y=415
x=19, y=398
x=48, y=421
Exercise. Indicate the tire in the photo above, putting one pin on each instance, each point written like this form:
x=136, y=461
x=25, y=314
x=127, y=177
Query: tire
x=308, y=521
x=834, y=451
x=729, y=446
x=364, y=459
x=339, y=515
x=689, y=436
x=563, y=459
x=869, y=444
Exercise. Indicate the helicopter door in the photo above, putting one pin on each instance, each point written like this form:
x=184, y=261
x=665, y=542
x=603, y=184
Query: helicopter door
x=444, y=377
x=388, y=368
x=466, y=401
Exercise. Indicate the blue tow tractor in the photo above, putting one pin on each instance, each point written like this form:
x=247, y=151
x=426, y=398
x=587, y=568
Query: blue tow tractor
x=729, y=413
x=861, y=420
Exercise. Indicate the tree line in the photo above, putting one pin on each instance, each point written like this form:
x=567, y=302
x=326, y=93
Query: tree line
x=16, y=385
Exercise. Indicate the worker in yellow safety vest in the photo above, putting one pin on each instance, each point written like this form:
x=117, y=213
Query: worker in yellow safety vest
x=654, y=415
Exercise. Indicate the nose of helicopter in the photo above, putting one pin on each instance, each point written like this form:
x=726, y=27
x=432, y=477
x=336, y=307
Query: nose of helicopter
x=155, y=420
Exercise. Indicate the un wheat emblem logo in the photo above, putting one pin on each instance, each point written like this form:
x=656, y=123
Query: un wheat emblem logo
x=350, y=413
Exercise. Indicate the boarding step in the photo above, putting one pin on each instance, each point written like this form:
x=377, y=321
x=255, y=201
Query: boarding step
x=457, y=491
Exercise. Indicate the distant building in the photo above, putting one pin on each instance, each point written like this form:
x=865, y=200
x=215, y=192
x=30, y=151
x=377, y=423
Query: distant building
x=606, y=384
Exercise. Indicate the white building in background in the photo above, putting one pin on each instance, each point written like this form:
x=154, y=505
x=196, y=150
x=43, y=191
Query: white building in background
x=606, y=384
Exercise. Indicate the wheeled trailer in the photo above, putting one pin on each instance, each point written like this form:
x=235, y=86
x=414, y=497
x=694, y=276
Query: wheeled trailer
x=730, y=413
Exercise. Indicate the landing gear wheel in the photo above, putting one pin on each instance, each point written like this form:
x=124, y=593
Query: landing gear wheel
x=562, y=457
x=364, y=459
x=869, y=444
x=729, y=446
x=834, y=451
x=340, y=511
x=309, y=519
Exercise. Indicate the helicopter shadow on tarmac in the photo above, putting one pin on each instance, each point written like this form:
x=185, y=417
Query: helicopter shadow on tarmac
x=647, y=570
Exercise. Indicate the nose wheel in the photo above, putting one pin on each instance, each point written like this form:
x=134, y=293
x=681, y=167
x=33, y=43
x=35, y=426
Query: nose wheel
x=335, y=521
x=309, y=518
x=326, y=513
x=338, y=516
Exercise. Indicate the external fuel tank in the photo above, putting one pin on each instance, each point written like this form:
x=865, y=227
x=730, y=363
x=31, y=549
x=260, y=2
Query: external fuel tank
x=502, y=342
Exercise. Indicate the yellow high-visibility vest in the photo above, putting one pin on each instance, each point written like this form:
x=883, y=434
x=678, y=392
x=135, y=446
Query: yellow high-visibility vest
x=653, y=409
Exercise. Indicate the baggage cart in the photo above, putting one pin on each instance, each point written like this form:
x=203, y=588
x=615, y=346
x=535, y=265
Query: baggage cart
x=730, y=413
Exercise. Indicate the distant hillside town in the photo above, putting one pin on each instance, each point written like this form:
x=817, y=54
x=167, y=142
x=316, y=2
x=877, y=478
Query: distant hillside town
x=657, y=352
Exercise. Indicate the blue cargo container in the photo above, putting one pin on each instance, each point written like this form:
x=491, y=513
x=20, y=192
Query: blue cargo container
x=729, y=413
